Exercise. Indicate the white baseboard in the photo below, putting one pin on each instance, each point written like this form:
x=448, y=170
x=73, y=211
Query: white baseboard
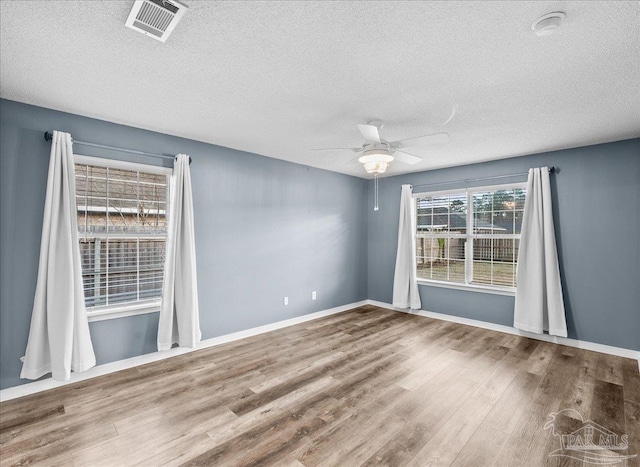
x=45, y=384
x=602, y=348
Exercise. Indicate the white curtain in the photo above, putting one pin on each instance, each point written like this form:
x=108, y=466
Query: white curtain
x=405, y=284
x=179, y=314
x=59, y=339
x=539, y=303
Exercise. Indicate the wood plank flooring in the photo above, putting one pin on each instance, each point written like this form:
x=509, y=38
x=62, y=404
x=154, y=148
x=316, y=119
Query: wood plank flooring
x=364, y=387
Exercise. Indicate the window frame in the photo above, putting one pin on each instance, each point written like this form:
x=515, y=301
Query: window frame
x=468, y=236
x=121, y=310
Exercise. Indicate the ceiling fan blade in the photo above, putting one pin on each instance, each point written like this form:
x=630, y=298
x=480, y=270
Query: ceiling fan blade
x=406, y=157
x=438, y=138
x=338, y=149
x=369, y=133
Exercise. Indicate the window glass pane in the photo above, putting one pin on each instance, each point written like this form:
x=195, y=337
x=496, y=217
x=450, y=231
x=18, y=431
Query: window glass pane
x=152, y=216
x=424, y=223
x=516, y=247
x=151, y=268
x=457, y=211
x=482, y=222
x=82, y=214
x=93, y=256
x=482, y=272
x=153, y=197
x=81, y=193
x=81, y=171
x=519, y=198
x=123, y=204
x=123, y=200
x=499, y=212
x=440, y=259
x=517, y=221
x=153, y=187
x=482, y=201
x=494, y=261
x=96, y=199
x=503, y=200
x=502, y=222
x=94, y=171
x=442, y=213
x=426, y=251
x=122, y=175
x=122, y=276
x=440, y=270
x=456, y=271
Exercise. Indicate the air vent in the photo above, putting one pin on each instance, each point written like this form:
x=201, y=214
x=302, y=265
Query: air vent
x=155, y=18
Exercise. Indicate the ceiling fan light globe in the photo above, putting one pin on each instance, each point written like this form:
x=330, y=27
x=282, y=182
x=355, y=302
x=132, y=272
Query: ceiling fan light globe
x=376, y=162
x=376, y=167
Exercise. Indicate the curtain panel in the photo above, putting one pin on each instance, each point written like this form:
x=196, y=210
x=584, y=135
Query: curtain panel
x=179, y=321
x=405, y=282
x=539, y=304
x=59, y=341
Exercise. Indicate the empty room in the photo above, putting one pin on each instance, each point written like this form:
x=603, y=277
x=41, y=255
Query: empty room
x=319, y=233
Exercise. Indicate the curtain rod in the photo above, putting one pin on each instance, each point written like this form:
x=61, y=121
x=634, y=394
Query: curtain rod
x=551, y=170
x=49, y=136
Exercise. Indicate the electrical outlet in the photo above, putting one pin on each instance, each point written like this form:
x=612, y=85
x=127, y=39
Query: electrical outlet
x=286, y=301
x=313, y=295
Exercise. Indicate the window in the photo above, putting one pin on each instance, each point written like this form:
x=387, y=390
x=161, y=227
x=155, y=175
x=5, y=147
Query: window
x=470, y=238
x=122, y=228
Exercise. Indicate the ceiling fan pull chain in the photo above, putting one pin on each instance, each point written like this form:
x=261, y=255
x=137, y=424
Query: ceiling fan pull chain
x=375, y=192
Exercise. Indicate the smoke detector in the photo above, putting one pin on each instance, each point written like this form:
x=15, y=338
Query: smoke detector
x=155, y=18
x=548, y=23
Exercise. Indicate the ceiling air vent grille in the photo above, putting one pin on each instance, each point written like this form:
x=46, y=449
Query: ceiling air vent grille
x=155, y=18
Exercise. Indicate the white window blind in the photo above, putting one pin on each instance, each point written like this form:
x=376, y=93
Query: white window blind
x=470, y=236
x=122, y=226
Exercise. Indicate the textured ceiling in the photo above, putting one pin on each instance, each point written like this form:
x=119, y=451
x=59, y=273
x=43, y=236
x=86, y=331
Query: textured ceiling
x=281, y=78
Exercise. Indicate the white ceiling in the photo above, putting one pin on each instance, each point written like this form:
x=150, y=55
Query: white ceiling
x=281, y=78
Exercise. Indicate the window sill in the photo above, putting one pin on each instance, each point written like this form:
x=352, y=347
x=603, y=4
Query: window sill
x=122, y=311
x=510, y=292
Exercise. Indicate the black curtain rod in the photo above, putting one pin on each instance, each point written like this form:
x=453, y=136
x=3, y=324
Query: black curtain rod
x=49, y=136
x=466, y=180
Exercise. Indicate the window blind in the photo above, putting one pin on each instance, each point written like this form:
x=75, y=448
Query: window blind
x=122, y=225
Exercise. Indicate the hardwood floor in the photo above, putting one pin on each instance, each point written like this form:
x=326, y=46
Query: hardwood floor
x=364, y=387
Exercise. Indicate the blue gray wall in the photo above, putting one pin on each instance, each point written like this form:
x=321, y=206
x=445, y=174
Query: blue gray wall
x=596, y=197
x=265, y=229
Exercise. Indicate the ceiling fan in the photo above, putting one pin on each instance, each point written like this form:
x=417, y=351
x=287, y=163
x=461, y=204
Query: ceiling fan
x=377, y=153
